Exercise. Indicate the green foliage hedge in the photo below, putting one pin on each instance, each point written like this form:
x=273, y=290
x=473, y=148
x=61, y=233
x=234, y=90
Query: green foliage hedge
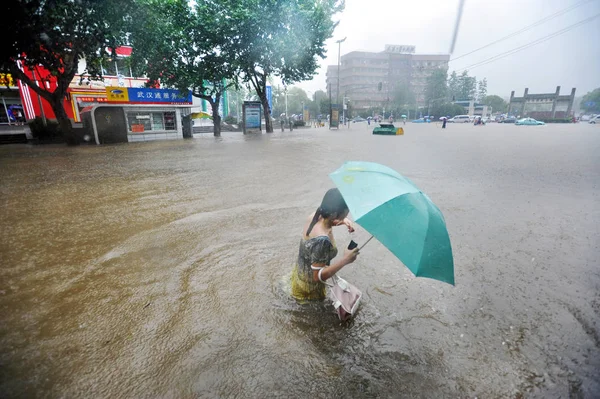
x=49, y=132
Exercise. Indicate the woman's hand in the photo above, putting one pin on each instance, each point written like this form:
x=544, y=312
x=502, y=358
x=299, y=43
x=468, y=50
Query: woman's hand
x=347, y=222
x=350, y=255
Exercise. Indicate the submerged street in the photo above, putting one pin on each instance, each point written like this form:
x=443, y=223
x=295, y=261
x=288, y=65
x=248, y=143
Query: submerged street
x=161, y=269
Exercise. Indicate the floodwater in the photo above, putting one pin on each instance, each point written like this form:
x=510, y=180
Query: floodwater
x=159, y=269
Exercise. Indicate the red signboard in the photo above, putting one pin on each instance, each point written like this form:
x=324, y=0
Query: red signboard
x=139, y=128
x=92, y=99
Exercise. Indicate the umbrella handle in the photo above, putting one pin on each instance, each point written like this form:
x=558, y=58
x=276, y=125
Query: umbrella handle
x=359, y=249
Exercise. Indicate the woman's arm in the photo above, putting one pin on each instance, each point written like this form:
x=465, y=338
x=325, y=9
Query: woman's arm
x=328, y=271
x=348, y=223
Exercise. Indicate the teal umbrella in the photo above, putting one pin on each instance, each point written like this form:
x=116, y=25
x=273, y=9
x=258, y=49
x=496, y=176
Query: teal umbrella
x=399, y=215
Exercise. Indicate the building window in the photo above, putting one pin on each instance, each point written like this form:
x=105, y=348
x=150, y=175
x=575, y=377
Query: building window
x=139, y=122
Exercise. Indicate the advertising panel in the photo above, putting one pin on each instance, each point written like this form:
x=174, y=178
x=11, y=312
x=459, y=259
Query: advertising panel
x=252, y=116
x=334, y=118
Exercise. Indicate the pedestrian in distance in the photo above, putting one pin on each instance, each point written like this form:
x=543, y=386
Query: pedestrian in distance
x=443, y=122
x=282, y=121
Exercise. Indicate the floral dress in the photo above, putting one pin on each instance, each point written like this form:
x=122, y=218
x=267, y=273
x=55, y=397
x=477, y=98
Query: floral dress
x=313, y=250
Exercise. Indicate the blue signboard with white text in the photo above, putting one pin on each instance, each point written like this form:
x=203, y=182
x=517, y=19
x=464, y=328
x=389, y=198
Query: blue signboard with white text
x=270, y=98
x=160, y=96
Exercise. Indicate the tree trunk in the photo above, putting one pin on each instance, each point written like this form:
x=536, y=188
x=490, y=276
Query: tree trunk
x=63, y=120
x=266, y=113
x=55, y=98
x=216, y=117
x=259, y=81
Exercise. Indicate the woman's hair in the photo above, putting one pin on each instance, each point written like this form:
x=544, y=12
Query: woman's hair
x=332, y=206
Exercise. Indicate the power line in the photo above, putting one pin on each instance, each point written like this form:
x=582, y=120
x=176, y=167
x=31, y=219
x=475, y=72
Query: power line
x=541, y=21
x=530, y=44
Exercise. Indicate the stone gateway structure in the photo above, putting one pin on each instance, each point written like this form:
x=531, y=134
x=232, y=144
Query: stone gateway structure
x=540, y=106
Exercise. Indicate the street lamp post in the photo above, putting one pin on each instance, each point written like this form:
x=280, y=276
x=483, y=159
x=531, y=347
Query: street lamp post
x=337, y=94
x=344, y=109
x=285, y=93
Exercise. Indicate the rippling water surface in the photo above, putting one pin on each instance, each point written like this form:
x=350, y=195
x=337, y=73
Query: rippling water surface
x=160, y=269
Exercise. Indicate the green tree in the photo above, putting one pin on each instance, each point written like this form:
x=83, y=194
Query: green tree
x=467, y=86
x=56, y=35
x=453, y=86
x=496, y=102
x=590, y=103
x=436, y=89
x=402, y=97
x=186, y=46
x=279, y=38
x=446, y=109
x=482, y=89
x=296, y=97
x=236, y=97
x=324, y=106
x=318, y=96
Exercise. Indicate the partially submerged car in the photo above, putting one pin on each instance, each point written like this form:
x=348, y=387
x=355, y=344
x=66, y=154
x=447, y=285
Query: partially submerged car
x=388, y=129
x=529, y=122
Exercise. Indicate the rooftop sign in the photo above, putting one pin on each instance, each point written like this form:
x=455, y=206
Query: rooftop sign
x=402, y=49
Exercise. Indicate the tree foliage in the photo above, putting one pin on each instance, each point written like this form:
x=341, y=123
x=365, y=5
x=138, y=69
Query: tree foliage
x=446, y=109
x=496, y=102
x=56, y=34
x=436, y=89
x=591, y=101
x=482, y=89
x=186, y=46
x=402, y=96
x=453, y=86
x=462, y=87
x=297, y=97
x=279, y=38
x=467, y=86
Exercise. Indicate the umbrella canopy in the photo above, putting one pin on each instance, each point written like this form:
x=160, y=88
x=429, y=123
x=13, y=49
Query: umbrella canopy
x=200, y=115
x=403, y=116
x=399, y=215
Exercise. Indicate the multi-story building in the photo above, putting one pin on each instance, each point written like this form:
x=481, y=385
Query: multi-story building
x=395, y=68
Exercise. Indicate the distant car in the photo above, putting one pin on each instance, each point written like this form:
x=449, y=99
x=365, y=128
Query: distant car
x=595, y=119
x=460, y=119
x=358, y=119
x=510, y=119
x=529, y=122
x=421, y=120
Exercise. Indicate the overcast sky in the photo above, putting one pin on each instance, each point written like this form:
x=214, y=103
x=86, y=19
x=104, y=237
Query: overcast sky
x=569, y=60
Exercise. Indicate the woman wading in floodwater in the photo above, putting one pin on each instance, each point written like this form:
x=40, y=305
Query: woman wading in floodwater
x=317, y=248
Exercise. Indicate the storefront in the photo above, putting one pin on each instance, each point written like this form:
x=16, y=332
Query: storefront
x=138, y=114
x=156, y=123
x=11, y=107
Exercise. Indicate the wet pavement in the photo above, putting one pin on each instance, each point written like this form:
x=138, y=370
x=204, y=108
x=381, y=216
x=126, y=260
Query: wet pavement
x=160, y=269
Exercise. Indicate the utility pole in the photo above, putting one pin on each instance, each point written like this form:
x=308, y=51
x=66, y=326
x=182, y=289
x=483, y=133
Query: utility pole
x=339, y=42
x=285, y=94
x=344, y=108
